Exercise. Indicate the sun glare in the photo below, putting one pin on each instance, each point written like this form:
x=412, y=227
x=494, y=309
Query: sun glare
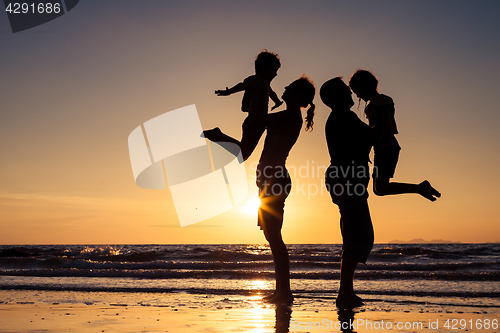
x=252, y=206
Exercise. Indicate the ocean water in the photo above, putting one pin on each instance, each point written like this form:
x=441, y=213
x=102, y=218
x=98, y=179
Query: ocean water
x=430, y=276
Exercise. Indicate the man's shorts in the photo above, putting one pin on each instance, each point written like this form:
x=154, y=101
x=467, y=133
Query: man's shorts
x=355, y=221
x=345, y=188
x=357, y=229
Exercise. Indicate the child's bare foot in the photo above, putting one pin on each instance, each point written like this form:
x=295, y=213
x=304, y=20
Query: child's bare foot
x=428, y=192
x=213, y=134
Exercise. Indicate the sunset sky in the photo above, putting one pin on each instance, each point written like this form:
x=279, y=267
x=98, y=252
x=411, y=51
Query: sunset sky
x=73, y=89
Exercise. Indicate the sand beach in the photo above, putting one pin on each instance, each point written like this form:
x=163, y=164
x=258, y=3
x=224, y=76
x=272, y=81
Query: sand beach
x=84, y=312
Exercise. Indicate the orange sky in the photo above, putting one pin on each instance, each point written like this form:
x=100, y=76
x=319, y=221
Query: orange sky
x=73, y=89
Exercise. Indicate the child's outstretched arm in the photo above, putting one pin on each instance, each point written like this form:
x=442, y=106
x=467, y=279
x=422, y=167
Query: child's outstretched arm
x=275, y=99
x=229, y=91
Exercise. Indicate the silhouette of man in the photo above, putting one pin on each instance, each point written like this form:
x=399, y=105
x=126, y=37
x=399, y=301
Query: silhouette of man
x=347, y=179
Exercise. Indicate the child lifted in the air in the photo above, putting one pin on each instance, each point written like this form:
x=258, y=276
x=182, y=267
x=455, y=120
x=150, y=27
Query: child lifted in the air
x=255, y=101
x=380, y=112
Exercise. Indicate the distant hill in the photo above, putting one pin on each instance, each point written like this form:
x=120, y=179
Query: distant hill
x=420, y=241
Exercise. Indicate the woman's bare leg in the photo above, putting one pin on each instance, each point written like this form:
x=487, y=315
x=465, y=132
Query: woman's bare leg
x=271, y=219
x=281, y=266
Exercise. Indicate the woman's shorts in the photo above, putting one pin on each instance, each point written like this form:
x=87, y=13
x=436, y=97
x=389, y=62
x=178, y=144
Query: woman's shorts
x=274, y=185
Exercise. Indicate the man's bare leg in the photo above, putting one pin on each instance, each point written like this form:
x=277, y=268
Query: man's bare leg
x=347, y=297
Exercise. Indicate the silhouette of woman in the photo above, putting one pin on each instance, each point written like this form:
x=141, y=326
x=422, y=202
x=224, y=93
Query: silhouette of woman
x=273, y=180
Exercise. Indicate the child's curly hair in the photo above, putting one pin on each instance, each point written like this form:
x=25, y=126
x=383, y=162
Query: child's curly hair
x=266, y=59
x=363, y=79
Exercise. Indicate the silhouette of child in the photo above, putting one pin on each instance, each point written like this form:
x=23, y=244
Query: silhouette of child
x=255, y=101
x=380, y=112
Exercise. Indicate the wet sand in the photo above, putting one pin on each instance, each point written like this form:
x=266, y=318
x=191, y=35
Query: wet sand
x=198, y=313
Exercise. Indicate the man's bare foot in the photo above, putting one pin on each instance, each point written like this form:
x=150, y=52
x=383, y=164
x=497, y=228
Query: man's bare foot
x=268, y=297
x=348, y=301
x=428, y=192
x=213, y=134
x=357, y=297
x=281, y=298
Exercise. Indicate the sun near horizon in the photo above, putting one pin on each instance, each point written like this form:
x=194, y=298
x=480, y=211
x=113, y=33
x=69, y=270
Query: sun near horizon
x=73, y=89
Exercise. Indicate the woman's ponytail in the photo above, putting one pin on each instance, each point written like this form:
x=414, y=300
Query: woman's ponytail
x=310, y=117
x=306, y=90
